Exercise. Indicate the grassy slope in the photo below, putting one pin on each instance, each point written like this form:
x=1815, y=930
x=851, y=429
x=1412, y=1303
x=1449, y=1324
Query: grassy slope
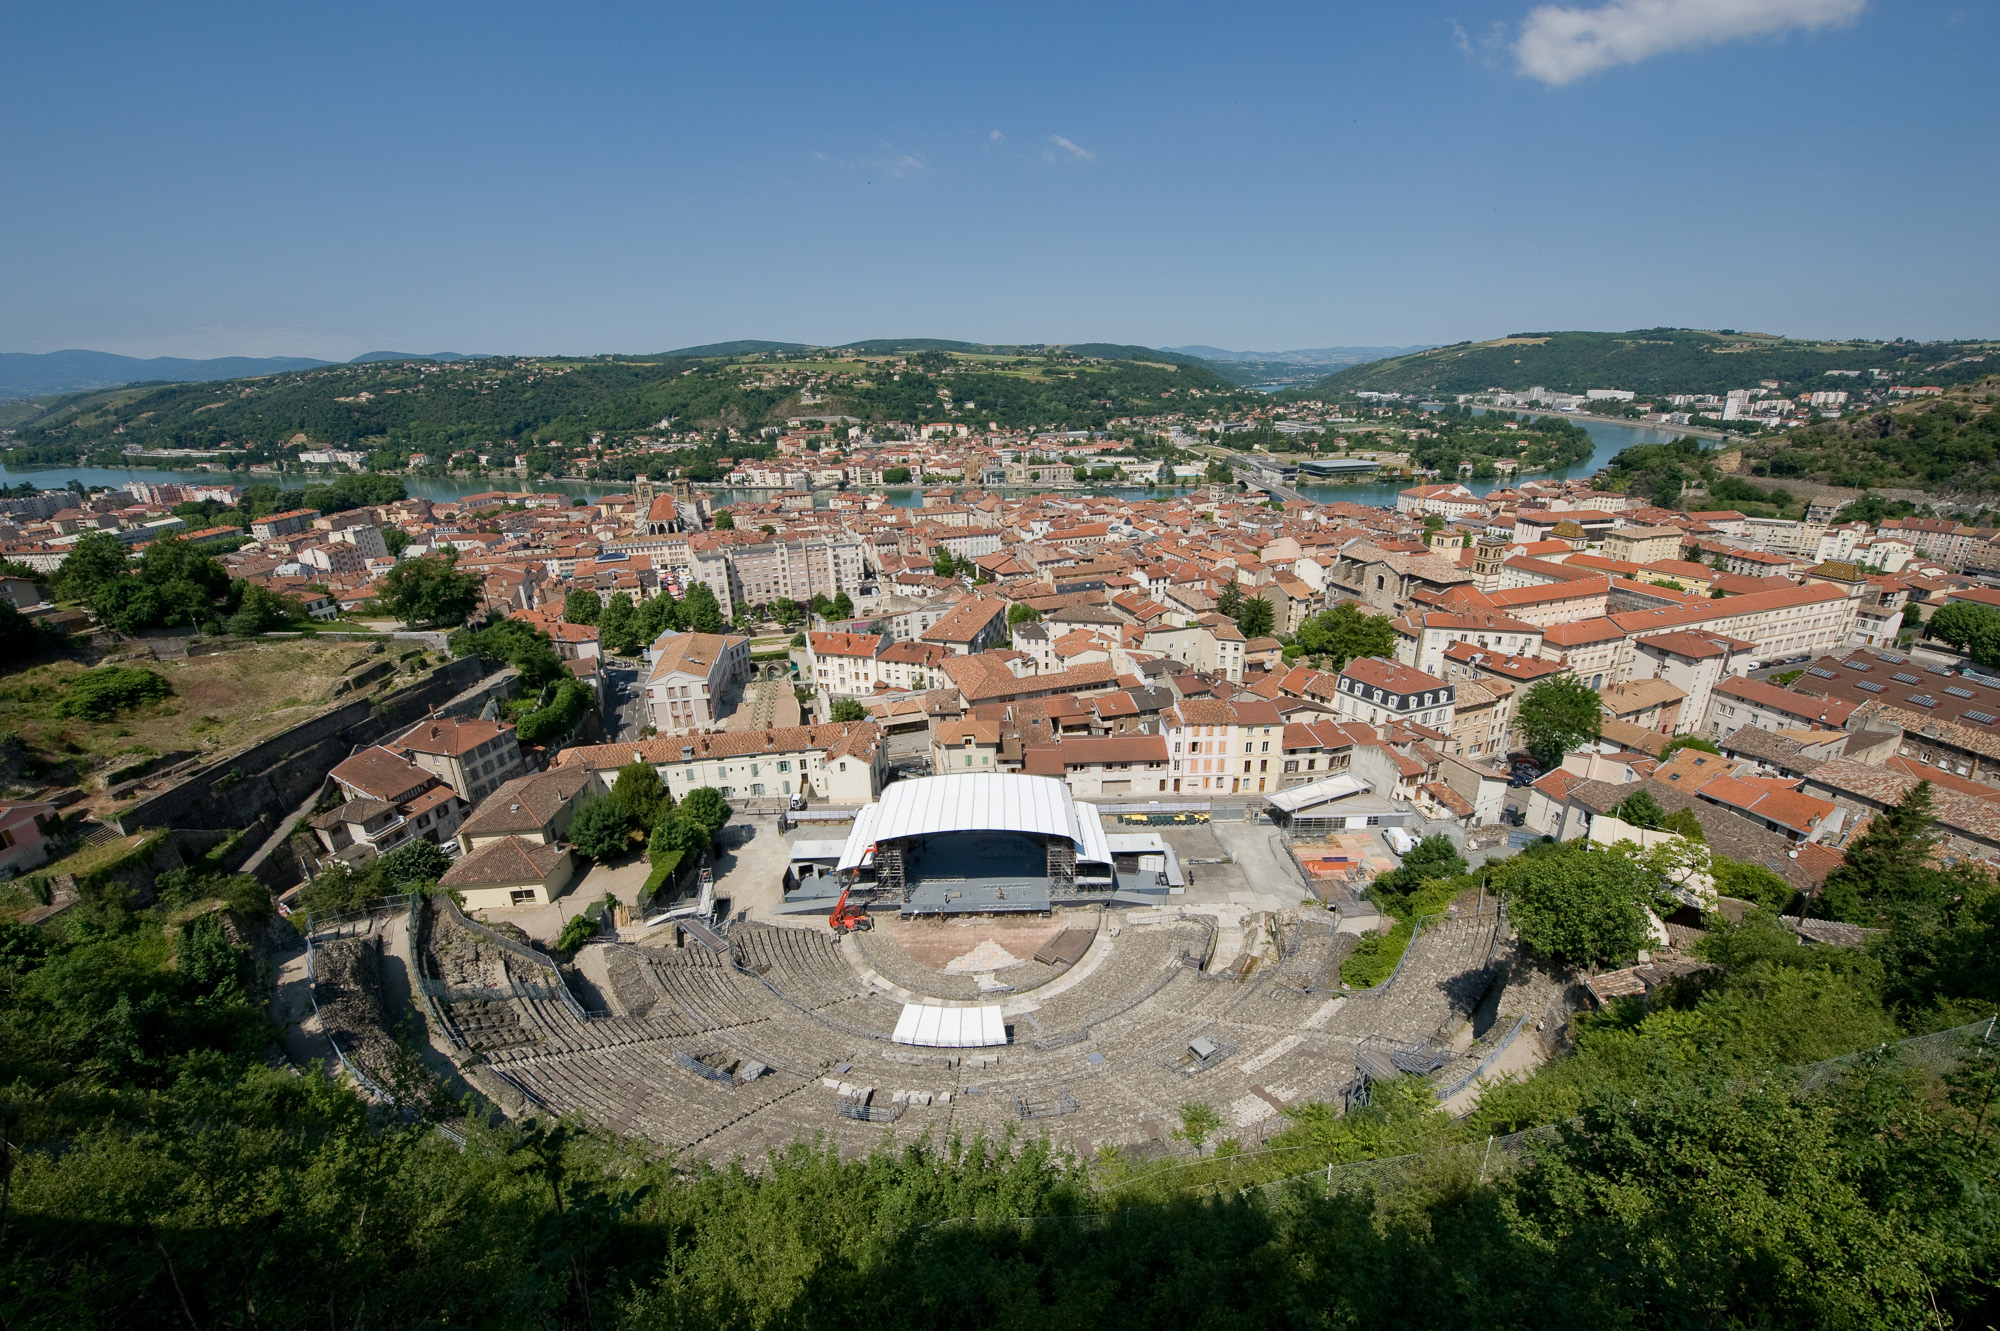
x=228, y=698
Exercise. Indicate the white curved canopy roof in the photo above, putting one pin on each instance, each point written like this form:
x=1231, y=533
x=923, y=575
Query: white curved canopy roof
x=977, y=802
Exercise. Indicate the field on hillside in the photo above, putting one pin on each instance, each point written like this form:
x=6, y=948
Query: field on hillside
x=219, y=701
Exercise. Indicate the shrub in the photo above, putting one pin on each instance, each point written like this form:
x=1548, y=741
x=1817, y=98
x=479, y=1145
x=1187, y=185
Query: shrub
x=99, y=695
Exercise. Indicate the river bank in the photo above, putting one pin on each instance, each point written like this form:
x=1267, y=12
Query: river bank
x=1609, y=436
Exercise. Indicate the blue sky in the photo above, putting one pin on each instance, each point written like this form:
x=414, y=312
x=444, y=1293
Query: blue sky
x=209, y=179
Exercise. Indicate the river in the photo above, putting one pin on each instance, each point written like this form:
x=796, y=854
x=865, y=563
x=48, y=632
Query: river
x=1610, y=437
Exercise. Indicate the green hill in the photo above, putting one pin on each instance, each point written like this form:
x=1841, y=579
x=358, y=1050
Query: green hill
x=1648, y=361
x=397, y=407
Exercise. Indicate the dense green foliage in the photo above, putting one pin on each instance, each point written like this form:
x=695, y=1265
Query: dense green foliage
x=173, y=584
x=1557, y=715
x=600, y=829
x=1951, y=444
x=1647, y=361
x=1973, y=629
x=848, y=709
x=1574, y=902
x=100, y=694
x=1345, y=633
x=1459, y=435
x=429, y=589
x=414, y=866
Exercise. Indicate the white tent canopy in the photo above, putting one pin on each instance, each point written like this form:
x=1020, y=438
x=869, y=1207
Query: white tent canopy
x=950, y=1027
x=977, y=802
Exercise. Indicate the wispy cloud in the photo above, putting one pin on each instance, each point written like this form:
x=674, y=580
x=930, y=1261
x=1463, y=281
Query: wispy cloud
x=896, y=165
x=1559, y=45
x=1062, y=150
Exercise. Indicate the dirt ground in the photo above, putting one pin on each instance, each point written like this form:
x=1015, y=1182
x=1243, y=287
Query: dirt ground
x=937, y=943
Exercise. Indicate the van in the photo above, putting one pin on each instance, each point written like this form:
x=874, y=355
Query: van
x=1399, y=840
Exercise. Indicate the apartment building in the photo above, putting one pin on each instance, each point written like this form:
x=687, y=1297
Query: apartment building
x=1693, y=662
x=689, y=685
x=844, y=762
x=1423, y=636
x=1095, y=766
x=473, y=757
x=1736, y=703
x=1224, y=746
x=389, y=800
x=971, y=627
x=1380, y=692
x=1643, y=545
x=1482, y=716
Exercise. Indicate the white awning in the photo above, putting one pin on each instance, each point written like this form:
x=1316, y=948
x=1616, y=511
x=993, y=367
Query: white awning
x=939, y=1027
x=1338, y=786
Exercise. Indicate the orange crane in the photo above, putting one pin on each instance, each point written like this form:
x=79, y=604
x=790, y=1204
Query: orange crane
x=846, y=921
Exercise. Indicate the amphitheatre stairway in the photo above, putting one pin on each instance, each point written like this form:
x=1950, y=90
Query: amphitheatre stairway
x=781, y=1037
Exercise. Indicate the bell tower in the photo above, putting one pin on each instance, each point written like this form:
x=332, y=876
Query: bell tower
x=1487, y=556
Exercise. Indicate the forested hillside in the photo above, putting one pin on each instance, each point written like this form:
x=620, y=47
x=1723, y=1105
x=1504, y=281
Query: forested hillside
x=1654, y=361
x=427, y=407
x=1950, y=445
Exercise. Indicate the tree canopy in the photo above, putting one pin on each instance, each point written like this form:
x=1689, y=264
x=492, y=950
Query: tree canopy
x=429, y=589
x=1346, y=633
x=1558, y=714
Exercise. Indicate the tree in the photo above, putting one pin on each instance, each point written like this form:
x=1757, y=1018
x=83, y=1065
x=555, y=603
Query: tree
x=848, y=709
x=618, y=626
x=1558, y=715
x=95, y=560
x=639, y=794
x=724, y=520
x=843, y=606
x=582, y=606
x=699, y=611
x=785, y=610
x=20, y=637
x=1639, y=809
x=942, y=562
x=1255, y=617
x=1229, y=600
x=895, y=475
x=1022, y=613
x=1887, y=865
x=1346, y=633
x=429, y=590
x=600, y=829
x=261, y=610
x=706, y=808
x=1973, y=629
x=1218, y=471
x=1579, y=905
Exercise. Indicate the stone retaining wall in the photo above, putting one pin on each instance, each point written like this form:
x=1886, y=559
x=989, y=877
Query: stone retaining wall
x=268, y=779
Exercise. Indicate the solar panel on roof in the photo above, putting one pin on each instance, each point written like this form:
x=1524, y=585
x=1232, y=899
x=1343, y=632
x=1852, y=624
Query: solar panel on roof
x=1892, y=658
x=1823, y=674
x=1855, y=665
x=1923, y=700
x=1937, y=670
x=1957, y=692
x=1902, y=678
x=1868, y=684
x=1983, y=718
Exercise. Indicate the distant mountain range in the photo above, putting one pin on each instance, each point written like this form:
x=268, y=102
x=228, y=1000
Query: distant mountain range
x=1310, y=356
x=26, y=374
